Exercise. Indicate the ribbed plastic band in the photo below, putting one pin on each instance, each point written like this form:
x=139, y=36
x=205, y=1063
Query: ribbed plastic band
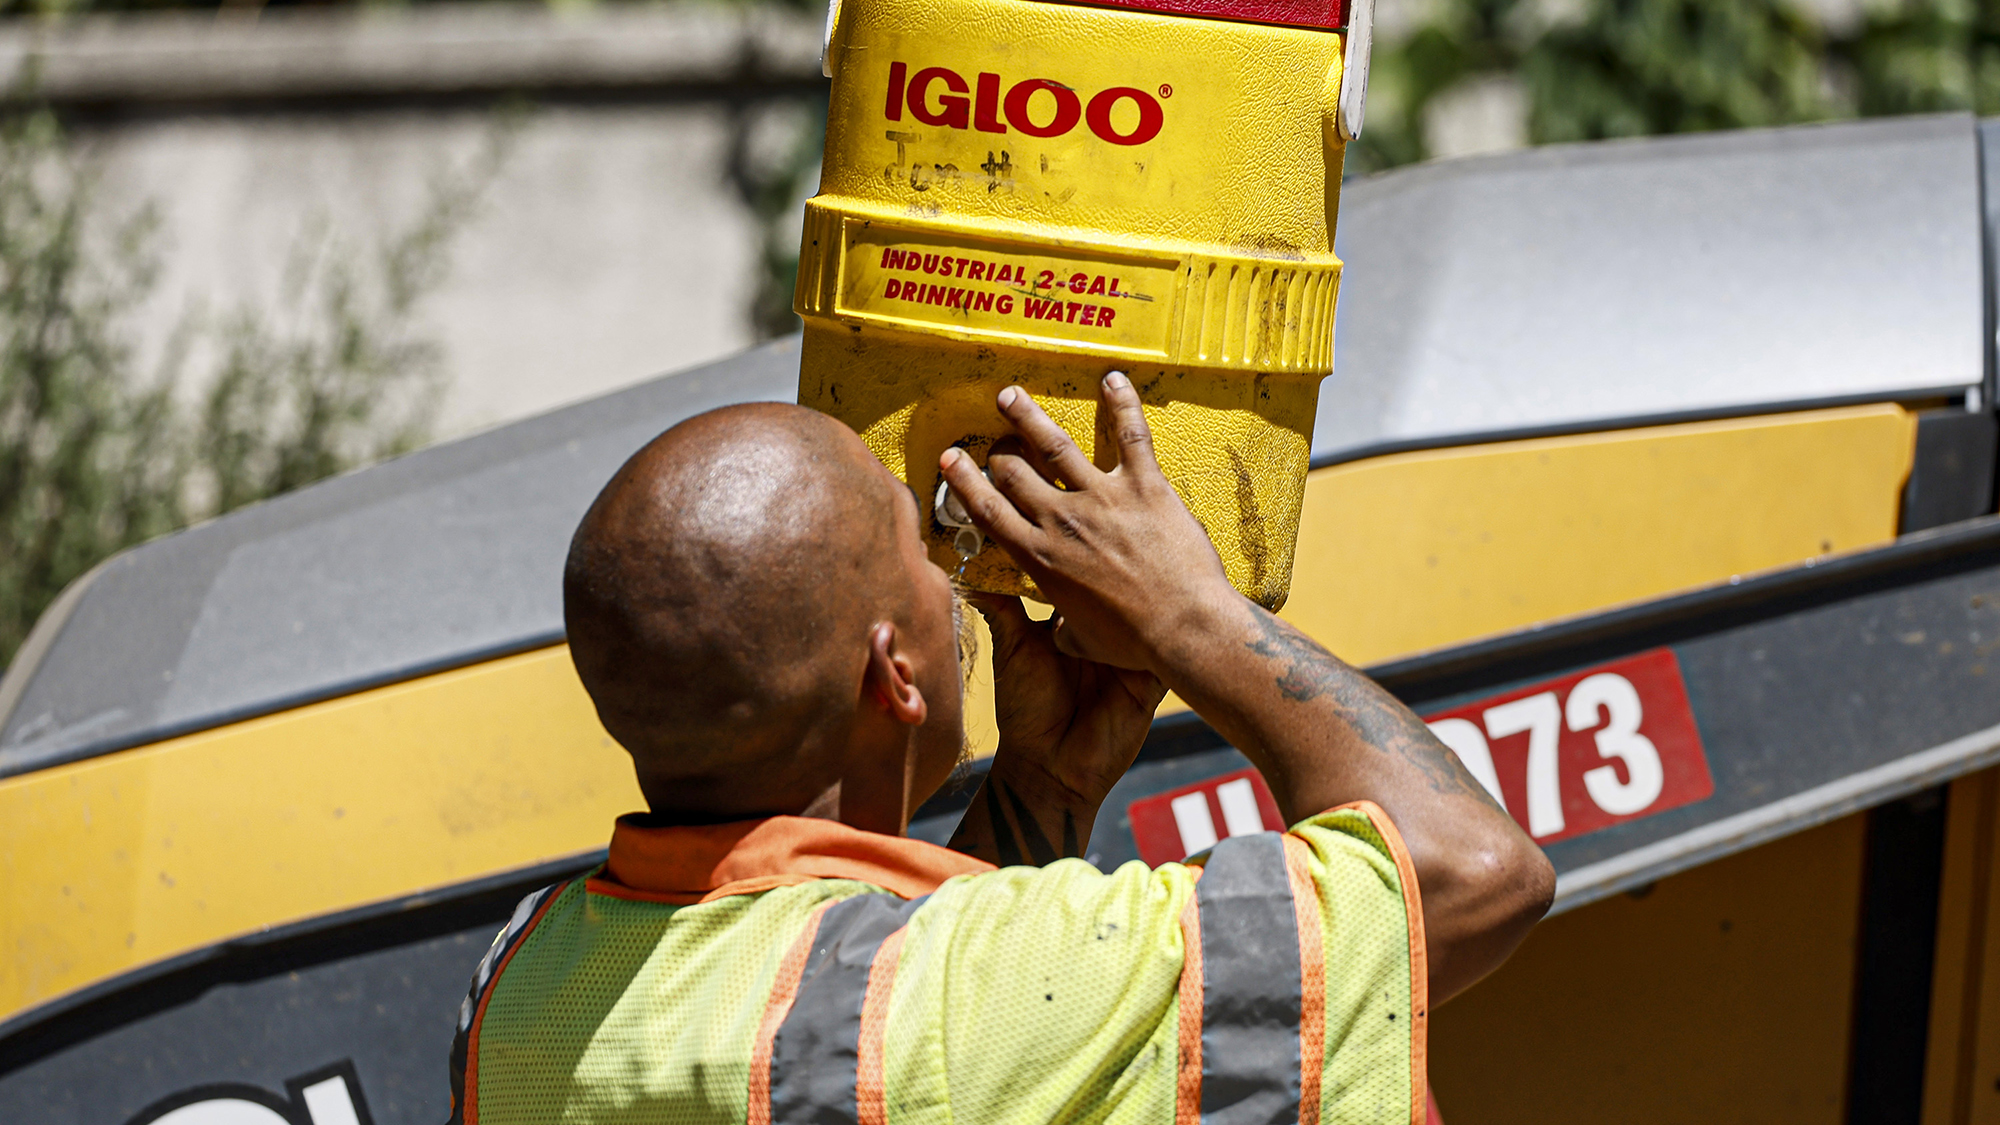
x=1248, y=314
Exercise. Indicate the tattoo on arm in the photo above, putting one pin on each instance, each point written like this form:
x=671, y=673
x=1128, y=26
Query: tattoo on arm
x=1308, y=671
x=1003, y=836
x=1016, y=841
x=1039, y=851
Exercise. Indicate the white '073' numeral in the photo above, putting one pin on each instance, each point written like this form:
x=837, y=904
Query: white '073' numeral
x=1541, y=717
x=1621, y=739
x=1470, y=746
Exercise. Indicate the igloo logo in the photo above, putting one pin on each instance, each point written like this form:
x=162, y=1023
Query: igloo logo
x=1037, y=107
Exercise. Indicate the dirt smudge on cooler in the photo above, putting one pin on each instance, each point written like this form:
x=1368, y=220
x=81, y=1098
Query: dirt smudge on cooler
x=1249, y=520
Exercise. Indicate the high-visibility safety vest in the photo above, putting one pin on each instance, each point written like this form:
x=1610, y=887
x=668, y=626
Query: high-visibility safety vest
x=795, y=970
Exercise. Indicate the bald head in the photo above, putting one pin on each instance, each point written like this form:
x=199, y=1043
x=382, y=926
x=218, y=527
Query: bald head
x=719, y=594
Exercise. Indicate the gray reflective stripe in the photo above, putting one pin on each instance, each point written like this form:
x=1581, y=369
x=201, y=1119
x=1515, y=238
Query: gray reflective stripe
x=1250, y=984
x=503, y=942
x=509, y=936
x=817, y=1048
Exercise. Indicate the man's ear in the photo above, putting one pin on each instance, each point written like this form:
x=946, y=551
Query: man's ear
x=890, y=679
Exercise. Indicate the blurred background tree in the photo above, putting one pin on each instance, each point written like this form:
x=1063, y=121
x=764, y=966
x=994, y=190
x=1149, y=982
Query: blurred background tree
x=89, y=455
x=96, y=456
x=1593, y=69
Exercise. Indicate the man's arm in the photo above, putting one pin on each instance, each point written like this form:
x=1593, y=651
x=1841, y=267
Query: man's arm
x=1324, y=734
x=1137, y=585
x=1069, y=730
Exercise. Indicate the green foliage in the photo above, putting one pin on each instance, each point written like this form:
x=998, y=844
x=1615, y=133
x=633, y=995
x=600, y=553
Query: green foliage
x=341, y=376
x=1620, y=68
x=1915, y=57
x=90, y=458
x=1634, y=67
x=774, y=184
x=94, y=457
x=1463, y=40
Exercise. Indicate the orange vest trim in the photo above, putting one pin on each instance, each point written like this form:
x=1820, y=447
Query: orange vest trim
x=1420, y=976
x=685, y=864
x=1187, y=1084
x=1312, y=975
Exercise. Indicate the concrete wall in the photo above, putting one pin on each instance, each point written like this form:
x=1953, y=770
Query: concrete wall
x=613, y=242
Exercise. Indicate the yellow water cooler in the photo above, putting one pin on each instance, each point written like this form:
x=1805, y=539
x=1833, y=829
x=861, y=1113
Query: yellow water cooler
x=1018, y=191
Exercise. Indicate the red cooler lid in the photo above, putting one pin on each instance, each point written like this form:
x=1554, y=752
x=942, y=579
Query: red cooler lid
x=1331, y=14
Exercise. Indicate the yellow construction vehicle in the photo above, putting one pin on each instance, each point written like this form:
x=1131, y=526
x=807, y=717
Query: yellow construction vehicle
x=1656, y=474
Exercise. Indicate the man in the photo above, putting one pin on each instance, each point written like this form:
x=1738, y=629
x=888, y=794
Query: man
x=752, y=611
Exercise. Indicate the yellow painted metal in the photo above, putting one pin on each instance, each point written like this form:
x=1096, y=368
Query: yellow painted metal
x=1413, y=551
x=1724, y=994
x=1963, y=1048
x=114, y=862
x=1041, y=193
x=1721, y=995
x=117, y=861
x=1403, y=553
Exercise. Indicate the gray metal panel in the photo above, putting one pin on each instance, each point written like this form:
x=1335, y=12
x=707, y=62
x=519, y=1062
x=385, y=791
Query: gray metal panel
x=1794, y=703
x=386, y=1014
x=1539, y=289
x=1818, y=691
x=1989, y=179
x=431, y=560
x=1584, y=283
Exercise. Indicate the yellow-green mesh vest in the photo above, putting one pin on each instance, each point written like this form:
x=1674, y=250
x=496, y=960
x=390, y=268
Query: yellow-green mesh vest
x=1189, y=993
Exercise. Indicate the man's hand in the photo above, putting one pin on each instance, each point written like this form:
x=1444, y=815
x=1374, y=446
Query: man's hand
x=1069, y=729
x=1125, y=563
x=1136, y=584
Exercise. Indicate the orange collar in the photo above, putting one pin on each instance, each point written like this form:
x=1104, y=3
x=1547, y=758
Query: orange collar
x=698, y=863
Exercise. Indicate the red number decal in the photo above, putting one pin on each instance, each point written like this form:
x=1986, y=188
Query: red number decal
x=1180, y=822
x=1593, y=749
